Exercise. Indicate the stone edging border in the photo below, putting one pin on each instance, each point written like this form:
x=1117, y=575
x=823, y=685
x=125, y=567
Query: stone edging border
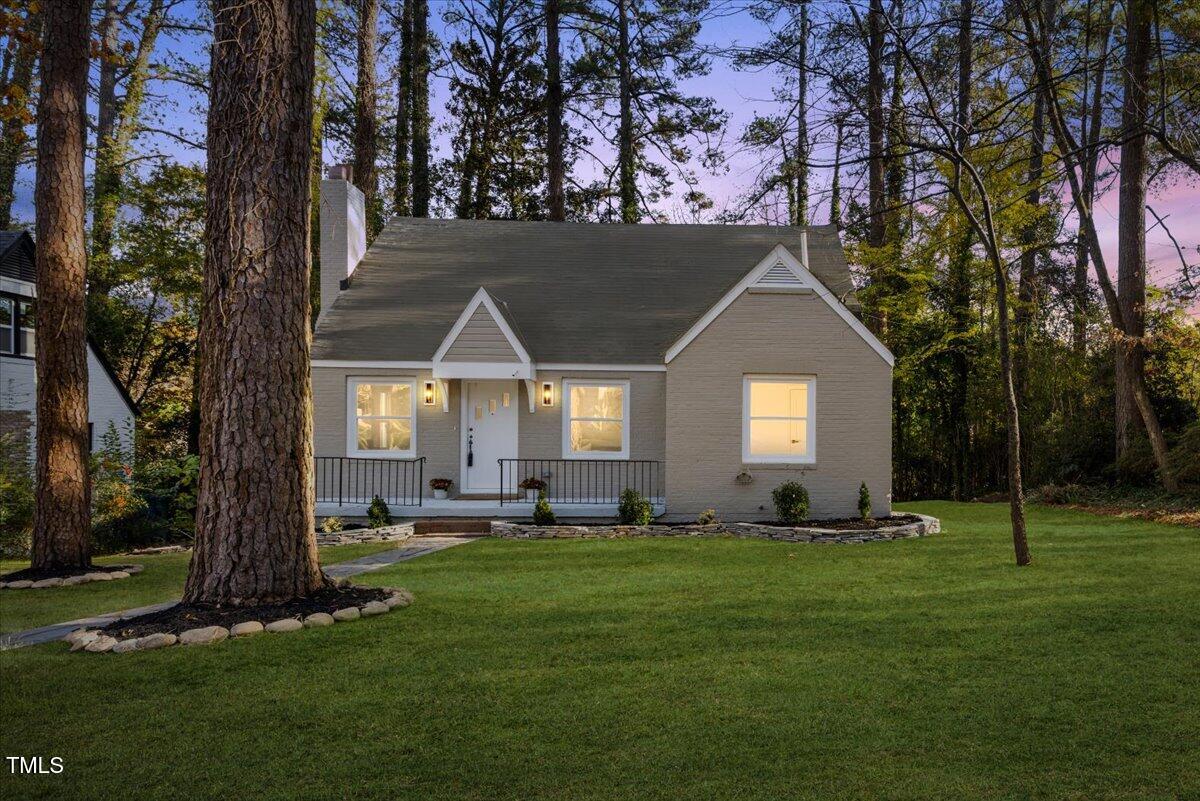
x=398, y=532
x=923, y=527
x=124, y=572
x=94, y=642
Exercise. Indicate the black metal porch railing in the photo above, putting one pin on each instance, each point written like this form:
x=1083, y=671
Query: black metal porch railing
x=343, y=479
x=582, y=481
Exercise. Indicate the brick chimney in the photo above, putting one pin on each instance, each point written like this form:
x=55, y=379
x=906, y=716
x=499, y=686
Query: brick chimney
x=343, y=231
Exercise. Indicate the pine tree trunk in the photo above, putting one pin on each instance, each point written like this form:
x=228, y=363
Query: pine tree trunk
x=959, y=283
x=555, y=166
x=62, y=514
x=801, y=217
x=19, y=83
x=876, y=232
x=1131, y=223
x=420, y=109
x=255, y=538
x=627, y=169
x=401, y=200
x=366, y=126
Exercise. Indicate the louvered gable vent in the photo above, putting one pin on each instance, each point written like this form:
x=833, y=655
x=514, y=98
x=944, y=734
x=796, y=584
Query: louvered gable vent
x=779, y=277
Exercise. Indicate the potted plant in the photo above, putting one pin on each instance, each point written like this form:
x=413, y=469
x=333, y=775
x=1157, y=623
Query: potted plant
x=439, y=487
x=532, y=487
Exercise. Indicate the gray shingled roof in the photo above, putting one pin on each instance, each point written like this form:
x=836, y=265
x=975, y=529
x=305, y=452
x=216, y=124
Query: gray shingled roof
x=577, y=292
x=16, y=256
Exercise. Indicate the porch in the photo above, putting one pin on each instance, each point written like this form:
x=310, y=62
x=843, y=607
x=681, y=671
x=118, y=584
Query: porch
x=575, y=488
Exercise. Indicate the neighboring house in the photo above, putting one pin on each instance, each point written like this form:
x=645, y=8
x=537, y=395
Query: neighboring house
x=703, y=365
x=108, y=402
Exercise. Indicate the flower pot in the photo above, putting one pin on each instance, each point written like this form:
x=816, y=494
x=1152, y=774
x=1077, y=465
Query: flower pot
x=439, y=494
x=531, y=495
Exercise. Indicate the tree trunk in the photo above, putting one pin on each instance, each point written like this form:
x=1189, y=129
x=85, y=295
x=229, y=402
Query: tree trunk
x=62, y=513
x=876, y=232
x=627, y=169
x=118, y=124
x=1131, y=222
x=555, y=167
x=835, y=187
x=959, y=282
x=1089, y=124
x=17, y=86
x=420, y=108
x=801, y=217
x=401, y=200
x=1016, y=490
x=366, y=126
x=255, y=538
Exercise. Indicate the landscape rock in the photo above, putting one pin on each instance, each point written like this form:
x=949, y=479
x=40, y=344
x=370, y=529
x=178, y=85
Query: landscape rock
x=158, y=640
x=349, y=613
x=100, y=644
x=50, y=582
x=399, y=597
x=207, y=635
x=99, y=577
x=318, y=620
x=285, y=625
x=20, y=585
x=80, y=638
x=245, y=628
x=119, y=574
x=375, y=608
x=134, y=569
x=73, y=580
x=125, y=646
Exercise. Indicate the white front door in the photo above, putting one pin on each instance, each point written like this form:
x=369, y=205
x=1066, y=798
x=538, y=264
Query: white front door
x=489, y=432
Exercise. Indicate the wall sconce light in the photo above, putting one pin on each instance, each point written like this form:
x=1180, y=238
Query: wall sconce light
x=547, y=393
x=429, y=394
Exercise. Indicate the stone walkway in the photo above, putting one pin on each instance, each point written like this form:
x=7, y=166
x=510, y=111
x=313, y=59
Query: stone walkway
x=419, y=546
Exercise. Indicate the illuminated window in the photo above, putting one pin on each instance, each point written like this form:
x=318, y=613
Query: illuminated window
x=777, y=419
x=595, y=419
x=381, y=417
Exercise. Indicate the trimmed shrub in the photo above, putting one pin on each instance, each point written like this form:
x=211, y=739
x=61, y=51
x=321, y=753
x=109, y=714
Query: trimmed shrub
x=332, y=525
x=864, y=501
x=378, y=513
x=791, y=502
x=634, y=510
x=707, y=517
x=543, y=515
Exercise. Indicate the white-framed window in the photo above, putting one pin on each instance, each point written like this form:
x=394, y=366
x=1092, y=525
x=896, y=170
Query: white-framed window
x=595, y=419
x=778, y=419
x=381, y=417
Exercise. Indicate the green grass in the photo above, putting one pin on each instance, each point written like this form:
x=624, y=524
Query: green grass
x=674, y=669
x=162, y=580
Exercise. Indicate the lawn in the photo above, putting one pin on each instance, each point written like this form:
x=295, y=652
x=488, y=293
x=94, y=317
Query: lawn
x=162, y=580
x=674, y=669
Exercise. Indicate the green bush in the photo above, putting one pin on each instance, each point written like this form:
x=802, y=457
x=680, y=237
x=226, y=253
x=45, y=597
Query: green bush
x=16, y=497
x=634, y=510
x=791, y=502
x=707, y=517
x=378, y=513
x=864, y=501
x=543, y=515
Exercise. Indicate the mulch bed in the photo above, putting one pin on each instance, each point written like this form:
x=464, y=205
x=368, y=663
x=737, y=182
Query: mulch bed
x=848, y=523
x=39, y=573
x=181, y=617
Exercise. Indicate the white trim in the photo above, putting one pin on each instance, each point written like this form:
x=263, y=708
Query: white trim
x=352, y=383
x=565, y=394
x=778, y=254
x=811, y=418
x=481, y=297
x=484, y=371
x=444, y=388
x=367, y=364
x=464, y=431
x=603, y=368
x=530, y=386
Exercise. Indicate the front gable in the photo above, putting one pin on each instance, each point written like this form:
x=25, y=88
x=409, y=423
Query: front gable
x=483, y=343
x=780, y=271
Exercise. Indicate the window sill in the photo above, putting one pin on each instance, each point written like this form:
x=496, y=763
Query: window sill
x=752, y=466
